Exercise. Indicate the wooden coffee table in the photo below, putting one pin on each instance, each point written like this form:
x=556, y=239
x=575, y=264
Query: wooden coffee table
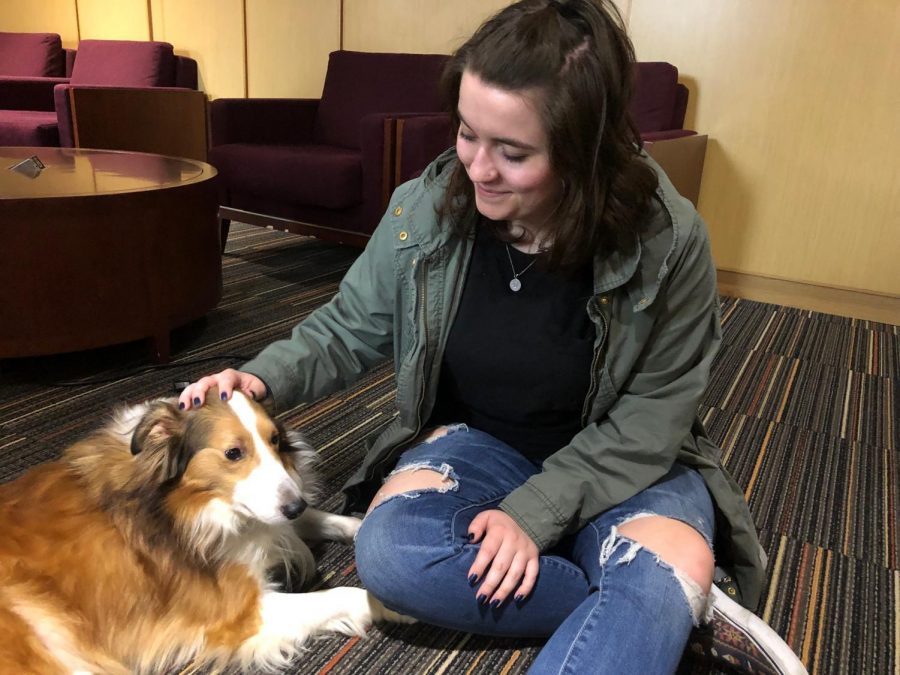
x=103, y=247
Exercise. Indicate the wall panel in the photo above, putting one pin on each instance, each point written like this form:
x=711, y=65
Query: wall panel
x=41, y=16
x=120, y=20
x=210, y=31
x=288, y=42
x=415, y=26
x=800, y=99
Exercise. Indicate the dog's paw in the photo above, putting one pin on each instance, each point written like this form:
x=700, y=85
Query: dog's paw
x=344, y=528
x=360, y=610
x=382, y=613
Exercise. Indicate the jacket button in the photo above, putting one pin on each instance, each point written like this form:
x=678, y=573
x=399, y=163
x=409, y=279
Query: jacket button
x=402, y=236
x=643, y=301
x=604, y=300
x=398, y=210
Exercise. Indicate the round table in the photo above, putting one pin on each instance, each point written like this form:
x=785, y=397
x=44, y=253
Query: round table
x=101, y=247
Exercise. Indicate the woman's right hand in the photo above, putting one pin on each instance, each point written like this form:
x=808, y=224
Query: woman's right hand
x=227, y=381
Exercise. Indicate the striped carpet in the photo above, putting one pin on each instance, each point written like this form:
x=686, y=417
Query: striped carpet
x=804, y=406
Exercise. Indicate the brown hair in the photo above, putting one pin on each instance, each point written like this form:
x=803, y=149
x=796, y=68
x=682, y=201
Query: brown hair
x=576, y=54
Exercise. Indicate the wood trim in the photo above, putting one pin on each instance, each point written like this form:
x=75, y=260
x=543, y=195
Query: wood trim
x=334, y=234
x=387, y=161
x=398, y=152
x=150, y=19
x=851, y=303
x=246, y=48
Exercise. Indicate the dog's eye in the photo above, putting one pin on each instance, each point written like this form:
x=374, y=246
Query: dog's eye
x=233, y=454
x=276, y=439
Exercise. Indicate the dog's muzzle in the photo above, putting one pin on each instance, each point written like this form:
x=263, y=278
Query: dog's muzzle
x=293, y=509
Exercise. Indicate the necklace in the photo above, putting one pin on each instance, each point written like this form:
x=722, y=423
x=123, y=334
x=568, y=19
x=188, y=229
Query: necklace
x=514, y=283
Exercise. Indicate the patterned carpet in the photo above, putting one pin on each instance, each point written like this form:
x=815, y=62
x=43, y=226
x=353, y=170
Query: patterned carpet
x=804, y=406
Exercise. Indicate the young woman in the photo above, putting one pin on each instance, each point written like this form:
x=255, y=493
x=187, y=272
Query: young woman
x=550, y=304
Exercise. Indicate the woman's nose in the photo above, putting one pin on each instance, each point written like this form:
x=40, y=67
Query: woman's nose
x=482, y=168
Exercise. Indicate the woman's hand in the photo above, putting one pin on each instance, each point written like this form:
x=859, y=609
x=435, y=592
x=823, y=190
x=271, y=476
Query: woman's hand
x=227, y=381
x=507, y=561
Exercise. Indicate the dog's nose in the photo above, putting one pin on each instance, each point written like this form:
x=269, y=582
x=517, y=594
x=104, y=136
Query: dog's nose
x=293, y=509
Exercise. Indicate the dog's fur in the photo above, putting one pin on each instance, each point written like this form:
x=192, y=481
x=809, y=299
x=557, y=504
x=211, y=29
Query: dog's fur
x=150, y=544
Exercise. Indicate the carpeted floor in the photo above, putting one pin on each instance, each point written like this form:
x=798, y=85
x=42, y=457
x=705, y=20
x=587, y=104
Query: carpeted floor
x=804, y=406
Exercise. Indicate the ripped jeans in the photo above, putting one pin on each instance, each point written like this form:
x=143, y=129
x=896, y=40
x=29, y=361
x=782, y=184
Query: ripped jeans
x=606, y=604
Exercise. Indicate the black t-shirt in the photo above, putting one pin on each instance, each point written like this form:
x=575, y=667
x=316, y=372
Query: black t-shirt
x=517, y=364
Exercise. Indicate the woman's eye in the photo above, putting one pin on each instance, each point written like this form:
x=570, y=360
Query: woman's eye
x=276, y=439
x=233, y=454
x=466, y=137
x=515, y=159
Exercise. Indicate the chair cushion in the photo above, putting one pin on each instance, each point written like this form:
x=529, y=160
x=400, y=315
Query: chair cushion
x=124, y=63
x=31, y=55
x=311, y=175
x=358, y=84
x=28, y=127
x=655, y=93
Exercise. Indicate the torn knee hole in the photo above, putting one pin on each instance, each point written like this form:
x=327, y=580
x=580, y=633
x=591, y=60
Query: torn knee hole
x=413, y=480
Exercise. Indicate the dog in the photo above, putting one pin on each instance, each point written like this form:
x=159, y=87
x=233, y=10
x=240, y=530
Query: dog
x=152, y=543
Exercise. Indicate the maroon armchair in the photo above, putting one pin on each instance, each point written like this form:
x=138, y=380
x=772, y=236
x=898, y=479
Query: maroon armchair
x=321, y=166
x=658, y=107
x=36, y=110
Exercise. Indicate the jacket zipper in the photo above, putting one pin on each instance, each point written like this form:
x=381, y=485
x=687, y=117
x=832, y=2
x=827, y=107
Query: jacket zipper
x=595, y=363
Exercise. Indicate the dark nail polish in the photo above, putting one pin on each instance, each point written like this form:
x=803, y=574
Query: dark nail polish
x=471, y=536
x=495, y=604
x=519, y=599
x=224, y=396
x=482, y=599
x=181, y=406
x=473, y=579
x=197, y=401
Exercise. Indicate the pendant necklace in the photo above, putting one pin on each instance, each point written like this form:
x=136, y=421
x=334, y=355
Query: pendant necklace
x=514, y=283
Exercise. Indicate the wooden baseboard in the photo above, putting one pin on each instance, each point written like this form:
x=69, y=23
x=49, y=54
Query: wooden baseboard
x=842, y=302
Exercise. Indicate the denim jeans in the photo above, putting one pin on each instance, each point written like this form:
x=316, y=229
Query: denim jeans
x=606, y=604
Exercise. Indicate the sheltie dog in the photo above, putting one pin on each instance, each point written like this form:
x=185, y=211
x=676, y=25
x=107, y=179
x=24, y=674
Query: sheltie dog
x=150, y=544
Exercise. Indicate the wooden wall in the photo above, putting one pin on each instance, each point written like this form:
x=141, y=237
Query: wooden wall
x=802, y=177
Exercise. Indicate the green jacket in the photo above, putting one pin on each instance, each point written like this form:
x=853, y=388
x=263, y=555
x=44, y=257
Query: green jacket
x=657, y=324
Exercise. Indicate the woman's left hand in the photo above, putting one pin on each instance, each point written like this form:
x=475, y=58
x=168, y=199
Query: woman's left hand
x=507, y=561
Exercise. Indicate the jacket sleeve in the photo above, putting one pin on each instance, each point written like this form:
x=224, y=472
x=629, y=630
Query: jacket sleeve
x=341, y=340
x=638, y=440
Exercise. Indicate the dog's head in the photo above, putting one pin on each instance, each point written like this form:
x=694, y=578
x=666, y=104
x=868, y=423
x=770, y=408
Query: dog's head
x=229, y=462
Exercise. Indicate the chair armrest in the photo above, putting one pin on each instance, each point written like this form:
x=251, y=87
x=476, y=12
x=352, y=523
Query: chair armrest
x=377, y=149
x=262, y=120
x=652, y=136
x=682, y=160
x=161, y=120
x=28, y=93
x=420, y=138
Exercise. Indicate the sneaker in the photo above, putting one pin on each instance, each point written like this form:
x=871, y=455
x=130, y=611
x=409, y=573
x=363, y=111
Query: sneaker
x=741, y=641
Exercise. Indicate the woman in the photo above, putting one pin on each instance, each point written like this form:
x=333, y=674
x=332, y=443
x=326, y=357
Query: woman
x=550, y=304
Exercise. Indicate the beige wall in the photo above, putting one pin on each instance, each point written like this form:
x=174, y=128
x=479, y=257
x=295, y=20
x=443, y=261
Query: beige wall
x=802, y=178
x=415, y=26
x=800, y=100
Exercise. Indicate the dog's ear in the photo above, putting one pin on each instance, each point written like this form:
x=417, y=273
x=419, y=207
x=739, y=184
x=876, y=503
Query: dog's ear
x=160, y=435
x=162, y=422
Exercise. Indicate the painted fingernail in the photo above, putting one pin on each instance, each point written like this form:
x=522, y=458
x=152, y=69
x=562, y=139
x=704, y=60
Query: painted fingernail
x=181, y=406
x=482, y=599
x=197, y=400
x=471, y=536
x=519, y=599
x=495, y=604
x=473, y=579
x=224, y=396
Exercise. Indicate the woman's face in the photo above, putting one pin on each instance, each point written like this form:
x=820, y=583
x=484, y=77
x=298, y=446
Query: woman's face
x=504, y=149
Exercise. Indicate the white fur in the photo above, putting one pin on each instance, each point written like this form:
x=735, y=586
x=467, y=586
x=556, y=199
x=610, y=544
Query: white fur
x=268, y=487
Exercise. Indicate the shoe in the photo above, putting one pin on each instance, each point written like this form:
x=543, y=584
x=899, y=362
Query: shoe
x=743, y=642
